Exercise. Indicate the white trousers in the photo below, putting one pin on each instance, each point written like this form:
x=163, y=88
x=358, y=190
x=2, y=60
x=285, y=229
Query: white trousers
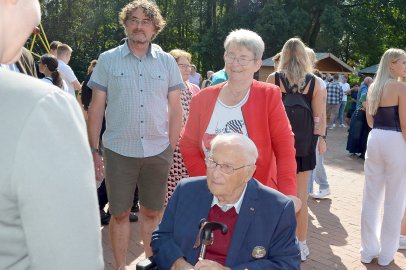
x=385, y=179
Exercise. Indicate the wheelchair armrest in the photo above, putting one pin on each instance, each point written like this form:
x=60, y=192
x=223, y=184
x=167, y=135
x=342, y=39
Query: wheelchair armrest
x=146, y=264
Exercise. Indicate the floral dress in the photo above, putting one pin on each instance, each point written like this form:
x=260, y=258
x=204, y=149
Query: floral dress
x=178, y=170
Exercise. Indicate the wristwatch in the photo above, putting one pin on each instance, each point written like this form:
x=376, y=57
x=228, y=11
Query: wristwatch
x=94, y=150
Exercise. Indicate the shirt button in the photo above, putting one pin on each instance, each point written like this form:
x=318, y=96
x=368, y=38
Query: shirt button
x=142, y=105
x=141, y=90
x=142, y=137
x=142, y=122
x=141, y=75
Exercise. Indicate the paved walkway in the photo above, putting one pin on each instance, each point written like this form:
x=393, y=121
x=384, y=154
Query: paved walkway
x=334, y=223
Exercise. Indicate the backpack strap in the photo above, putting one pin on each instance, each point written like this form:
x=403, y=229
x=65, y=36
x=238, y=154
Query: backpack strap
x=277, y=79
x=285, y=83
x=312, y=84
x=310, y=78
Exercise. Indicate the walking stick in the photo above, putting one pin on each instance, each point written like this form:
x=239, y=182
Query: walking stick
x=205, y=235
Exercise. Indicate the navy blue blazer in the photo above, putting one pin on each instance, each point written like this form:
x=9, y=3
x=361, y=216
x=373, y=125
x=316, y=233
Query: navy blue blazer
x=266, y=219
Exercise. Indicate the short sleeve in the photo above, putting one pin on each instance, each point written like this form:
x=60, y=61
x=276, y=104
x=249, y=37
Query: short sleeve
x=175, y=78
x=99, y=78
x=70, y=75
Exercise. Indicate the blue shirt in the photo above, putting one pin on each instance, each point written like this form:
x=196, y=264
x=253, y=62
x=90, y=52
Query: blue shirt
x=219, y=77
x=137, y=99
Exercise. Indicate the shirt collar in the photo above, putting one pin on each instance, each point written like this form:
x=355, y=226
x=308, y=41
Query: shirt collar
x=226, y=207
x=11, y=67
x=125, y=50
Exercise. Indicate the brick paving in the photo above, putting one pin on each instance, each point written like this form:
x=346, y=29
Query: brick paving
x=334, y=223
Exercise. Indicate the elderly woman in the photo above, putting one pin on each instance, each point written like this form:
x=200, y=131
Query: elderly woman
x=246, y=106
x=385, y=160
x=301, y=93
x=178, y=169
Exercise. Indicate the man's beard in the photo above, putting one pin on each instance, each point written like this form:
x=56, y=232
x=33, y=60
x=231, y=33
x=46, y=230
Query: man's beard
x=139, y=38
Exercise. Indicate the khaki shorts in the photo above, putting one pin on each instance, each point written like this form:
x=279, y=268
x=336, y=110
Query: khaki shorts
x=123, y=174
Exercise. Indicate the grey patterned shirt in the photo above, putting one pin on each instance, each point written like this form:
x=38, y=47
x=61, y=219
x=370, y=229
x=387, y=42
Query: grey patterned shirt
x=137, y=99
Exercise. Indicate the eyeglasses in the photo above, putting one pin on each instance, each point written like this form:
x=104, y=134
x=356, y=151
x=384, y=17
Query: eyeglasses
x=184, y=66
x=229, y=59
x=224, y=168
x=136, y=21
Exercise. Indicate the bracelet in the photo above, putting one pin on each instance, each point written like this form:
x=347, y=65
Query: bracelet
x=94, y=150
x=324, y=137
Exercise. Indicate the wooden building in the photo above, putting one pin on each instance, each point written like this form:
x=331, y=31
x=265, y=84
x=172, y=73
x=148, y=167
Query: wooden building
x=326, y=63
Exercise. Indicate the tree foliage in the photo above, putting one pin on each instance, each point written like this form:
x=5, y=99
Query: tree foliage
x=358, y=31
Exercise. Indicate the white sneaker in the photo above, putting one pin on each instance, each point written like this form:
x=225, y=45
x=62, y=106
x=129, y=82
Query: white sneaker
x=304, y=251
x=402, y=242
x=342, y=126
x=322, y=194
x=332, y=126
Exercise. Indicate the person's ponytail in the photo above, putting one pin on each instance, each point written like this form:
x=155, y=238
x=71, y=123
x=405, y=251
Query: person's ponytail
x=52, y=64
x=57, y=79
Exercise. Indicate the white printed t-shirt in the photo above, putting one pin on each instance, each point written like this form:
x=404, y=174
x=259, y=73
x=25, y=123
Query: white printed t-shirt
x=225, y=119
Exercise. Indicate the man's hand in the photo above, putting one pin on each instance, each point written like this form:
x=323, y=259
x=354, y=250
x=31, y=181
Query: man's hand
x=181, y=264
x=98, y=166
x=322, y=146
x=209, y=265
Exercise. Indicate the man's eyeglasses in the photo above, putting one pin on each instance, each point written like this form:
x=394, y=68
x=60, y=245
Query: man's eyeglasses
x=229, y=59
x=136, y=21
x=184, y=66
x=224, y=168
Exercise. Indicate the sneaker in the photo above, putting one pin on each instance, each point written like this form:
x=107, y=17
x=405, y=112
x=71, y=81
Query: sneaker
x=104, y=217
x=384, y=262
x=332, y=126
x=402, y=242
x=304, y=251
x=322, y=194
x=342, y=126
x=367, y=259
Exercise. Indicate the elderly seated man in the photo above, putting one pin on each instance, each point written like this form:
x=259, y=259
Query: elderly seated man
x=261, y=221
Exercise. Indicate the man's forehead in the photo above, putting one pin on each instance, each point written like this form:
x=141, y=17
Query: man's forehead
x=227, y=152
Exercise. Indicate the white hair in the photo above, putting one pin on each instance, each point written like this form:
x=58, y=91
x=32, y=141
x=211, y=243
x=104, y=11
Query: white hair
x=248, y=39
x=236, y=139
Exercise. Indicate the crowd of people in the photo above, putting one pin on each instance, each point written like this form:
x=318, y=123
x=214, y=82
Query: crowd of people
x=160, y=140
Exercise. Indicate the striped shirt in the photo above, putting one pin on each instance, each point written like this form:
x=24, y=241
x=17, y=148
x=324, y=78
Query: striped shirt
x=137, y=99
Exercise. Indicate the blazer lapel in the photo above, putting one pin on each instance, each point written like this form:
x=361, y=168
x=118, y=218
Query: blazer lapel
x=205, y=199
x=245, y=218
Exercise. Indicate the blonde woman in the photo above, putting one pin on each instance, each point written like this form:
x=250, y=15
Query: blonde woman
x=385, y=163
x=294, y=77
